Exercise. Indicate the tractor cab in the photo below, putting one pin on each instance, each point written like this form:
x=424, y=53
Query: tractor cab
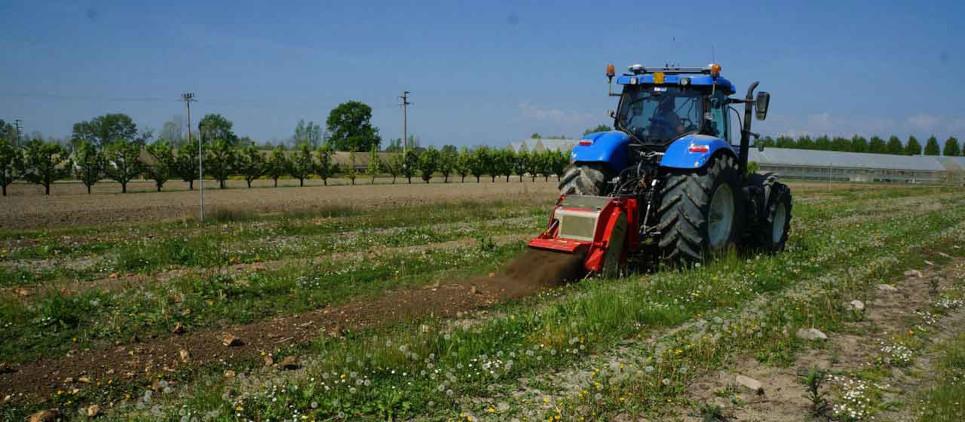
x=658, y=106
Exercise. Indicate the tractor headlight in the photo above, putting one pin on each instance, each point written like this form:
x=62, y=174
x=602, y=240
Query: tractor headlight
x=684, y=81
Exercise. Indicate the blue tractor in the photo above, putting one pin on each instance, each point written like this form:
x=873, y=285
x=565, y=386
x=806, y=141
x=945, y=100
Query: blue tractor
x=669, y=183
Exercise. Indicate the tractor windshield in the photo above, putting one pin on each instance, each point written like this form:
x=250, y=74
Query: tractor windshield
x=658, y=115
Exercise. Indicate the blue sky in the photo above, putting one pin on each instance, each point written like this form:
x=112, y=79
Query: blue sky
x=480, y=72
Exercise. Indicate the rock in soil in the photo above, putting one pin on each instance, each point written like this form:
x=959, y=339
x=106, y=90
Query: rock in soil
x=231, y=340
x=856, y=305
x=48, y=415
x=93, y=410
x=185, y=355
x=811, y=334
x=913, y=273
x=229, y=374
x=269, y=361
x=887, y=288
x=751, y=384
x=474, y=290
x=289, y=363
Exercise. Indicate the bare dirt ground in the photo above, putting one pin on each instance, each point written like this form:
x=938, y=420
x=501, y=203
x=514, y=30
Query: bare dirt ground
x=69, y=204
x=528, y=274
x=783, y=395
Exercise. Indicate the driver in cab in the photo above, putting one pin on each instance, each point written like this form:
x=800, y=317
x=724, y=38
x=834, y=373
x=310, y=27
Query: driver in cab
x=665, y=121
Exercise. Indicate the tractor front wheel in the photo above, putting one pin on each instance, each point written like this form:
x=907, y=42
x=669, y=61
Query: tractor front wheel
x=700, y=211
x=583, y=179
x=771, y=234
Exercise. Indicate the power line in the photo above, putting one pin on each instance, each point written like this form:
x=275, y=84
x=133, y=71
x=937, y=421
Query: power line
x=17, y=123
x=405, y=124
x=188, y=98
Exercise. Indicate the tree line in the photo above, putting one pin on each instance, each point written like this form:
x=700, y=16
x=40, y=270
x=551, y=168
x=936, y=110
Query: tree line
x=875, y=144
x=110, y=147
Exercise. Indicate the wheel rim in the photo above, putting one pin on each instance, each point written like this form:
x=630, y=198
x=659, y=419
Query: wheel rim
x=777, y=226
x=721, y=217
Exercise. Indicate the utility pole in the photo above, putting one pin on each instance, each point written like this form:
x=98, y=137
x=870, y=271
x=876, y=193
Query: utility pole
x=405, y=123
x=188, y=98
x=17, y=123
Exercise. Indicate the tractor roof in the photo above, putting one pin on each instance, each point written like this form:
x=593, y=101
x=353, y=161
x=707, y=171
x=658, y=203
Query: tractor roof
x=694, y=76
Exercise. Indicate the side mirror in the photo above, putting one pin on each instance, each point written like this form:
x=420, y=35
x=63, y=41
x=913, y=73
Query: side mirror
x=612, y=114
x=763, y=100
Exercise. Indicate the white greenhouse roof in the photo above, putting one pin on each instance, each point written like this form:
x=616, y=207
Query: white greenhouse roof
x=813, y=158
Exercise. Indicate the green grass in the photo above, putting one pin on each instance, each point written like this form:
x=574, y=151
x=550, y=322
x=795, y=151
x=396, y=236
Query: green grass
x=423, y=369
x=159, y=247
x=945, y=401
x=54, y=322
x=397, y=370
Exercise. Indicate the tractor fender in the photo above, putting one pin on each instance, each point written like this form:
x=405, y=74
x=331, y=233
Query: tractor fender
x=694, y=151
x=608, y=148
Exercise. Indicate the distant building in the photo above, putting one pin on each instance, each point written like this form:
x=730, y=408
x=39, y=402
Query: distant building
x=824, y=165
x=858, y=166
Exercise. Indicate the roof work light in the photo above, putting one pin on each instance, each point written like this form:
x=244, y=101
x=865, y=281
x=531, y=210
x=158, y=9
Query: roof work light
x=714, y=69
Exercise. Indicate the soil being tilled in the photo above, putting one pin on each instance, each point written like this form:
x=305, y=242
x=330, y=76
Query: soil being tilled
x=530, y=273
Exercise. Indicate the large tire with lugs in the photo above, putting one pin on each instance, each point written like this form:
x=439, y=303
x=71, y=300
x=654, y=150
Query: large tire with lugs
x=701, y=211
x=583, y=179
x=772, y=230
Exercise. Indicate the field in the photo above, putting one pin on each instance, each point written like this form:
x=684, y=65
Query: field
x=421, y=302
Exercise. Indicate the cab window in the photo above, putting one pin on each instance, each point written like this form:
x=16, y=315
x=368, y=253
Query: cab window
x=719, y=126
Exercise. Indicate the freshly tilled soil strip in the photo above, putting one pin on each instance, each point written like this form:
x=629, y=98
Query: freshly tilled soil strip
x=532, y=272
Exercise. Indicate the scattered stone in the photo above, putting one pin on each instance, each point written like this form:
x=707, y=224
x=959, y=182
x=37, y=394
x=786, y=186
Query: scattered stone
x=474, y=290
x=492, y=275
x=68, y=380
x=887, y=288
x=856, y=305
x=93, y=410
x=944, y=255
x=113, y=276
x=751, y=384
x=811, y=334
x=178, y=329
x=22, y=292
x=289, y=363
x=184, y=354
x=913, y=273
x=84, y=379
x=929, y=263
x=336, y=331
x=269, y=361
x=48, y=415
x=229, y=374
x=231, y=340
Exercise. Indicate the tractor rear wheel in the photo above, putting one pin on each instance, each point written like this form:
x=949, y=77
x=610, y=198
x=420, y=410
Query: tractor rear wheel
x=775, y=223
x=700, y=211
x=583, y=179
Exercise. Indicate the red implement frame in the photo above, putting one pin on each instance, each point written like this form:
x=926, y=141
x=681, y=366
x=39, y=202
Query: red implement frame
x=606, y=222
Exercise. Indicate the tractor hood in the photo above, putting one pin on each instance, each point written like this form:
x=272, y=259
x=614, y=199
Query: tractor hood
x=694, y=151
x=608, y=148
